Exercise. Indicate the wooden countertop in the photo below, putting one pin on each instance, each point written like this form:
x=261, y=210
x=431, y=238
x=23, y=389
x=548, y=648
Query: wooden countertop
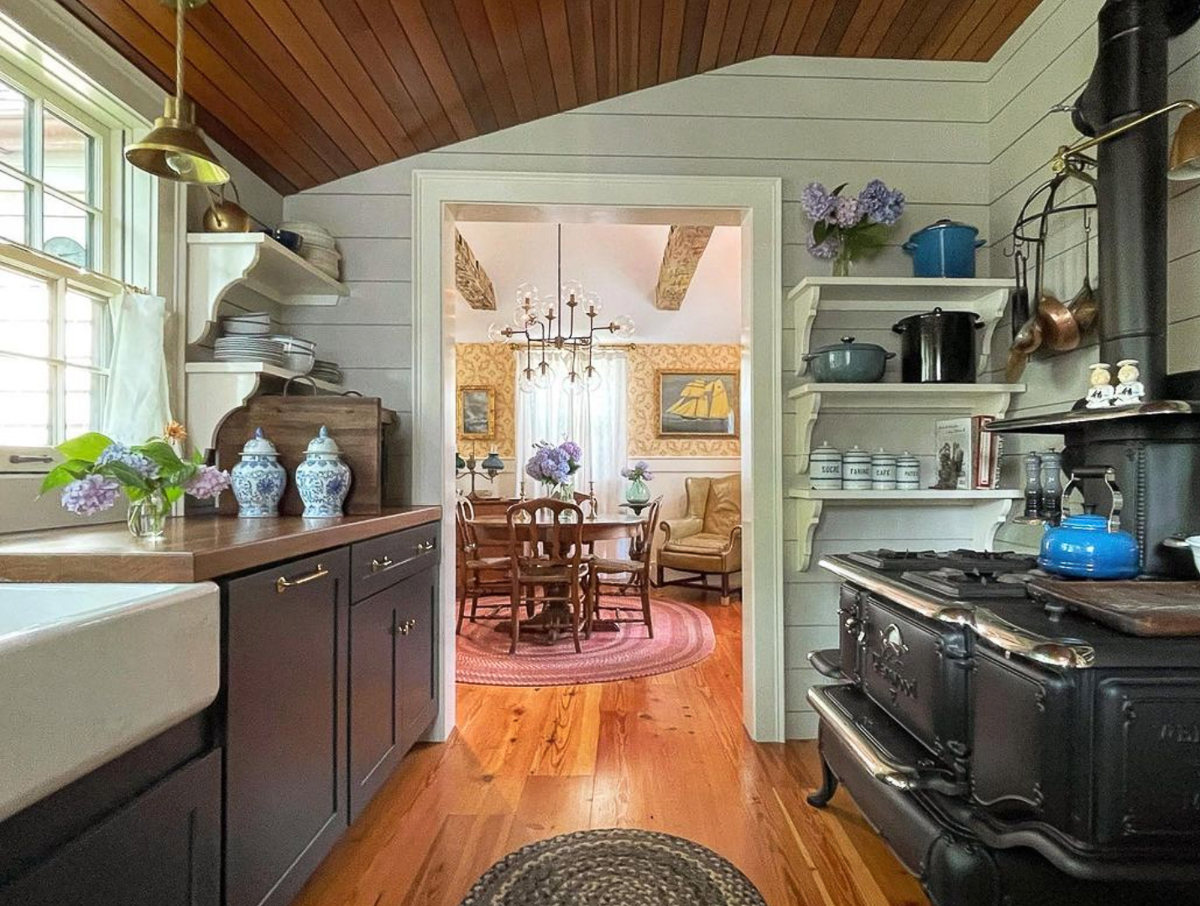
x=194, y=549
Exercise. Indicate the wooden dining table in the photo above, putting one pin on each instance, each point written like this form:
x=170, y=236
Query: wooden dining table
x=555, y=617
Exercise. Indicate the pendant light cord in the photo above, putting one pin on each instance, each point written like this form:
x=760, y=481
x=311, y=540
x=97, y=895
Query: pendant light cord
x=180, y=14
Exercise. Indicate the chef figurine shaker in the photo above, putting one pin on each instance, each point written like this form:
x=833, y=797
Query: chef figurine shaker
x=1130, y=390
x=1101, y=394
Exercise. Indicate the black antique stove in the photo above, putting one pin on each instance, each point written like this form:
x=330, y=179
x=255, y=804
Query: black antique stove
x=1010, y=751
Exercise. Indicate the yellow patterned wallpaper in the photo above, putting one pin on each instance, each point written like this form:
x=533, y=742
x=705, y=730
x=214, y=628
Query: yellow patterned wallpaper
x=645, y=361
x=490, y=365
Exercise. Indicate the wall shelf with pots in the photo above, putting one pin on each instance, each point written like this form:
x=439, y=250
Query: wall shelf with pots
x=214, y=389
x=252, y=271
x=834, y=303
x=846, y=305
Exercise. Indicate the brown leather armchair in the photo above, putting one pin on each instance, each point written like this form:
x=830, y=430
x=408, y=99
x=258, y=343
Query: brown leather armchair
x=708, y=539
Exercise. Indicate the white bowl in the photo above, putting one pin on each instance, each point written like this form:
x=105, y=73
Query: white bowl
x=1193, y=542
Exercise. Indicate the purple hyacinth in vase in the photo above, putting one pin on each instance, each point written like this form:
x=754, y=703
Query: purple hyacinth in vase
x=847, y=227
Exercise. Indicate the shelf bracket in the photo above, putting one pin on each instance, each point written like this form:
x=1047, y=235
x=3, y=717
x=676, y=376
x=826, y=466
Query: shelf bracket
x=806, y=304
x=808, y=407
x=808, y=517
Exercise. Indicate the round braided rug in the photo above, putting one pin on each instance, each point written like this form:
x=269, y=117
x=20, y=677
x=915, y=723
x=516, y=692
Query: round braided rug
x=614, y=868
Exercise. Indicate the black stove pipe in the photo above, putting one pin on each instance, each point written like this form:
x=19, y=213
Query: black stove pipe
x=1129, y=79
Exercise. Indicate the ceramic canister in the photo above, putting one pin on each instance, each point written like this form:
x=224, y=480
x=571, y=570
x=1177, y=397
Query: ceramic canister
x=908, y=472
x=856, y=469
x=883, y=471
x=323, y=480
x=258, y=480
x=825, y=468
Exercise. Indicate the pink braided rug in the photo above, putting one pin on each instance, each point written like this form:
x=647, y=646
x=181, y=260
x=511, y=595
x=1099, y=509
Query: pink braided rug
x=683, y=636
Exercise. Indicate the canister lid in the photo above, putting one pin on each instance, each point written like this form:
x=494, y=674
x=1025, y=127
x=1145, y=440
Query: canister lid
x=323, y=443
x=259, y=445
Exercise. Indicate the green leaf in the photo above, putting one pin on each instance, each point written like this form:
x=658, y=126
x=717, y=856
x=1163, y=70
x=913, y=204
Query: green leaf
x=161, y=454
x=86, y=446
x=130, y=478
x=173, y=493
x=63, y=474
x=820, y=231
x=838, y=191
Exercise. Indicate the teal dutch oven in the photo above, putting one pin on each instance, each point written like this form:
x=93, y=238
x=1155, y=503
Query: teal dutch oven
x=944, y=249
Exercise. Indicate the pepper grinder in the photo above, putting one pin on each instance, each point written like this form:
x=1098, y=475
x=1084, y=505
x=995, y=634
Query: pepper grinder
x=1033, y=485
x=1051, y=505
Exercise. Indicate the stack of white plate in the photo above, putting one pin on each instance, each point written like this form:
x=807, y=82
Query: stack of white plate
x=250, y=349
x=253, y=324
x=319, y=248
x=300, y=353
x=324, y=370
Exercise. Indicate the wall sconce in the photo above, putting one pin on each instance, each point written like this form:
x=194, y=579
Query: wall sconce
x=1183, y=164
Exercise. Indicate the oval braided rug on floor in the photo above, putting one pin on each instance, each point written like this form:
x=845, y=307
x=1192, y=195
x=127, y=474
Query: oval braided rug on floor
x=683, y=636
x=614, y=868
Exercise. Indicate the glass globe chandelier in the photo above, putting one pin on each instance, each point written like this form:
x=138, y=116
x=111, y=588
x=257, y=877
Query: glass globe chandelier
x=549, y=323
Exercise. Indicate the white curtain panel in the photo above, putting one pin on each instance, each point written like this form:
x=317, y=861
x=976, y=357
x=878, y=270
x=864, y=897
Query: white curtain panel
x=138, y=405
x=595, y=420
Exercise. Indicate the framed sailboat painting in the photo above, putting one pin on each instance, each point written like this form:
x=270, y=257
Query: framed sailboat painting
x=697, y=404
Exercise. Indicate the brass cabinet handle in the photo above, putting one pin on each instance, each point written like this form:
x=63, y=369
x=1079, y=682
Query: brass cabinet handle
x=425, y=547
x=382, y=563
x=404, y=628
x=283, y=583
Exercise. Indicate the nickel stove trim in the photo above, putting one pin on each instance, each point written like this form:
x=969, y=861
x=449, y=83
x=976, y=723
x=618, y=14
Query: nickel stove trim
x=989, y=627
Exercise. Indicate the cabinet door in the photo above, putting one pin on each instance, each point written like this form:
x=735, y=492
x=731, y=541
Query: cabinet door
x=162, y=849
x=374, y=708
x=417, y=696
x=285, y=734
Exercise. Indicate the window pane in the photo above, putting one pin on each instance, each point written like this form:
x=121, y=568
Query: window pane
x=14, y=112
x=24, y=315
x=88, y=332
x=13, y=205
x=66, y=156
x=85, y=401
x=67, y=231
x=25, y=412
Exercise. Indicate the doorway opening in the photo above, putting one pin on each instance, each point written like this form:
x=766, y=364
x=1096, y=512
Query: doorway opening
x=512, y=211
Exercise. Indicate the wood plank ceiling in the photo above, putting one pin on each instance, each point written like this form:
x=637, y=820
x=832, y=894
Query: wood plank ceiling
x=306, y=91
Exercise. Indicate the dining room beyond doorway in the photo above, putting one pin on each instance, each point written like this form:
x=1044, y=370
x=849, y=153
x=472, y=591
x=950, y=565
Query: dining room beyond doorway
x=597, y=423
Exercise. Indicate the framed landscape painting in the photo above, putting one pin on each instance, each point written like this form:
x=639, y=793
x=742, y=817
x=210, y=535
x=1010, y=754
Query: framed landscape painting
x=698, y=404
x=477, y=412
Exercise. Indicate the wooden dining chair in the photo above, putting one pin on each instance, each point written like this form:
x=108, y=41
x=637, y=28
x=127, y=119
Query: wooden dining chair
x=624, y=574
x=477, y=576
x=545, y=539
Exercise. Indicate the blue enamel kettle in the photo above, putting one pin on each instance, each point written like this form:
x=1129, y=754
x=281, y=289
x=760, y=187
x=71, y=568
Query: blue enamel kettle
x=1091, y=546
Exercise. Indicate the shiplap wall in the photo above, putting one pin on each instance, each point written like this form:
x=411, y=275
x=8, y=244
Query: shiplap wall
x=919, y=126
x=1047, y=62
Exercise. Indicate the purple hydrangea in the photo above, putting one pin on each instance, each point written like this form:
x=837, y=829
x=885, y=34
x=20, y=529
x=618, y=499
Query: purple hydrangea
x=881, y=204
x=640, y=469
x=827, y=250
x=573, y=451
x=847, y=213
x=90, y=494
x=817, y=202
x=552, y=464
x=120, y=453
x=208, y=482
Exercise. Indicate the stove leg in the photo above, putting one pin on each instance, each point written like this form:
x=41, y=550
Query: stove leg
x=829, y=784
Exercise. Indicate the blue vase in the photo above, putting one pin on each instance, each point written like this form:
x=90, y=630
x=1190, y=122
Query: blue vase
x=258, y=480
x=323, y=480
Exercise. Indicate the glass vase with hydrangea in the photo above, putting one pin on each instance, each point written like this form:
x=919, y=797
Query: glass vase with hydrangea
x=553, y=465
x=96, y=471
x=848, y=227
x=637, y=475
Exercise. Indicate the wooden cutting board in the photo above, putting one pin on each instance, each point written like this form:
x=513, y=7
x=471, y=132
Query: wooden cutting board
x=1147, y=608
x=363, y=429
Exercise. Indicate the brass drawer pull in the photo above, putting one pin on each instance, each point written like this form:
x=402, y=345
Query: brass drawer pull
x=381, y=564
x=283, y=583
x=425, y=547
x=18, y=459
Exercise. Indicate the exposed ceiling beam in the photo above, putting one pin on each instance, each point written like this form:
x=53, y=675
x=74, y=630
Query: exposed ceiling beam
x=470, y=278
x=685, y=245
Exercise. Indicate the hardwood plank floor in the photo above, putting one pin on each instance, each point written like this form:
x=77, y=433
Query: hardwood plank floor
x=665, y=753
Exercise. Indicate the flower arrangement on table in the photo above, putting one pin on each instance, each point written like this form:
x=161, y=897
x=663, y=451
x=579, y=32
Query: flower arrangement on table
x=638, y=474
x=97, y=470
x=553, y=466
x=848, y=227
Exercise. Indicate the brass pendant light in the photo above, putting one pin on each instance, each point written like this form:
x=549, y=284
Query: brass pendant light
x=175, y=148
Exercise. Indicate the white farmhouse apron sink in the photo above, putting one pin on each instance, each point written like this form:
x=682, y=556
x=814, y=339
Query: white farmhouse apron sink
x=87, y=672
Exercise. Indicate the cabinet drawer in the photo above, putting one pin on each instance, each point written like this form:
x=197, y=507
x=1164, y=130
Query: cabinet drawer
x=381, y=562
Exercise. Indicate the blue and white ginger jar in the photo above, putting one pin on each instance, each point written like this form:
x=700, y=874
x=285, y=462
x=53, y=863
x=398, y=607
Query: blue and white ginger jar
x=323, y=480
x=258, y=480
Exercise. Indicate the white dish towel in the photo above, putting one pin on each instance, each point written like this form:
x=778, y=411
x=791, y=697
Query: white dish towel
x=138, y=405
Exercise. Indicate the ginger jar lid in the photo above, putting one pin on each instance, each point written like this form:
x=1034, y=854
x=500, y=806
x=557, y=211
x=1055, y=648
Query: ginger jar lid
x=259, y=445
x=323, y=444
